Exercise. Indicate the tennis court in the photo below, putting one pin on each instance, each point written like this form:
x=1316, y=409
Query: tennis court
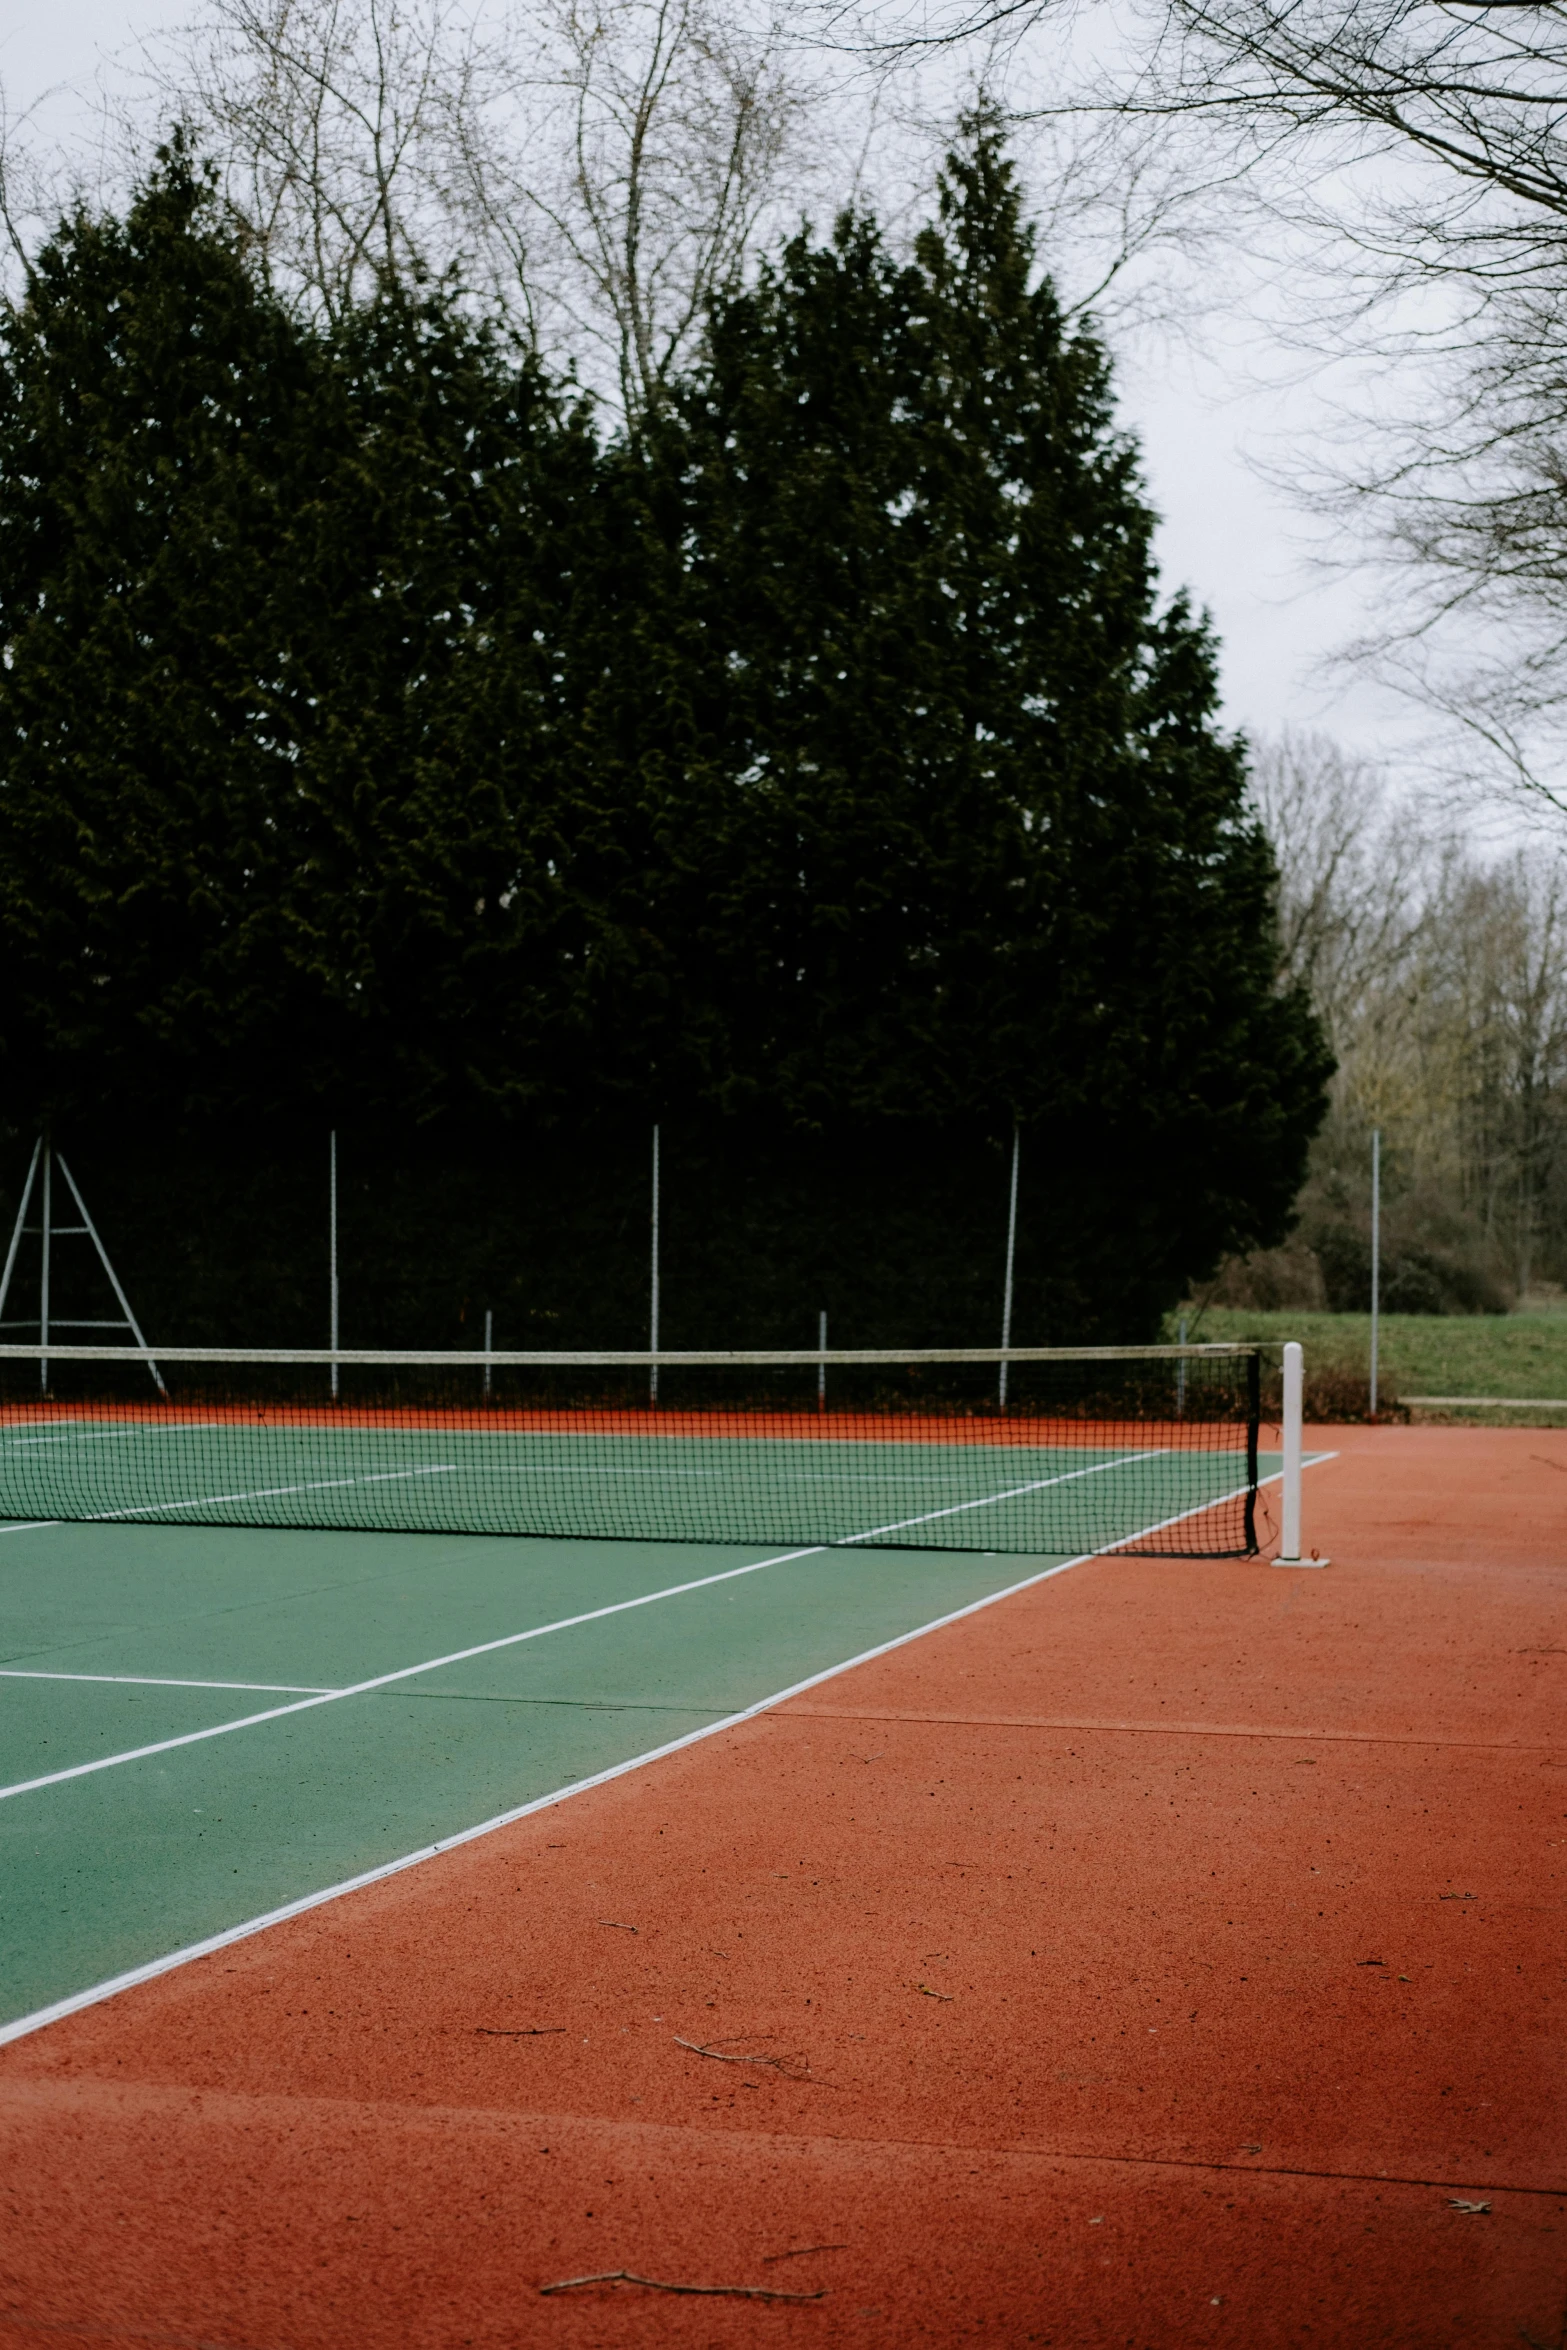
x=1166, y=1951
x=202, y=1724
x=1123, y=1945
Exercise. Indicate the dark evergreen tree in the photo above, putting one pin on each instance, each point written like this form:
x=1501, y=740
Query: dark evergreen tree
x=282, y=739
x=817, y=772
x=955, y=837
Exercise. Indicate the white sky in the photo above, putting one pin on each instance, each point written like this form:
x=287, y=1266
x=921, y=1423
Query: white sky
x=1236, y=543
x=1245, y=552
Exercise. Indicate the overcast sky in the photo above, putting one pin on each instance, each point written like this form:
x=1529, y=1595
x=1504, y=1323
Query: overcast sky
x=1238, y=545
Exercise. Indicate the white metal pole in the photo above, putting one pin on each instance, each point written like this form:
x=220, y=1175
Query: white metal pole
x=1006, y=1295
x=1293, y=1384
x=1376, y=1256
x=1294, y=1388
x=1180, y=1371
x=653, y=1300
x=91, y=1230
x=489, y=1343
x=43, y=1284
x=821, y=1368
x=21, y=1219
x=332, y=1243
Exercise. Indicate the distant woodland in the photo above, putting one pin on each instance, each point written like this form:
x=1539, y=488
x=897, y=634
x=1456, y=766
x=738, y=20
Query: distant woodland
x=1441, y=981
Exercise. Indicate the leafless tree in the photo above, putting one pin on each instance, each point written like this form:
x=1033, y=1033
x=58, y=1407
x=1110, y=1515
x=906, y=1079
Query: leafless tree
x=665, y=127
x=1406, y=162
x=594, y=170
x=336, y=128
x=1494, y=1036
x=38, y=187
x=1442, y=981
x=1354, y=877
x=1415, y=156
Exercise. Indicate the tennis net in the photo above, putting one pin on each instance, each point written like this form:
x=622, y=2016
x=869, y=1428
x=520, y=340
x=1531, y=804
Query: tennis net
x=1142, y=1449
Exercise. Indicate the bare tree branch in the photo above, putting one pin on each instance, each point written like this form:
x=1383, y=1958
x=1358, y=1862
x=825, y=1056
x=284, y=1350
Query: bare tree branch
x=680, y=122
x=1442, y=981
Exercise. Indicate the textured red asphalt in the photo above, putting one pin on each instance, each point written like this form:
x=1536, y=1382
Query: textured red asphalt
x=1161, y=1957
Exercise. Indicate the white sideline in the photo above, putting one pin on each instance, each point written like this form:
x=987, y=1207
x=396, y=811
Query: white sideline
x=460, y=1656
x=154, y=1967
x=435, y=1664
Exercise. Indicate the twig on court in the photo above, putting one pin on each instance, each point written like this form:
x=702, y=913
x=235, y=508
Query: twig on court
x=526, y=2032
x=801, y=2252
x=624, y=2276
x=793, y=2068
x=618, y=1926
x=949, y=1996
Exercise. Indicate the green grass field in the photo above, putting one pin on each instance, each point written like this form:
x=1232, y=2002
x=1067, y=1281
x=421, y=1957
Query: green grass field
x=1425, y=1354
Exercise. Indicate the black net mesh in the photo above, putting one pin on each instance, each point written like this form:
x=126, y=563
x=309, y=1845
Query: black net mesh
x=1150, y=1450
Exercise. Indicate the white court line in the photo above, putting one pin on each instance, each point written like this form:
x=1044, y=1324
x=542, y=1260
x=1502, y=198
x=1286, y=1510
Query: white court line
x=1309, y=1460
x=459, y=1656
x=74, y=1436
x=274, y=1713
x=205, y=1501
x=154, y=1967
x=162, y=1681
x=1121, y=1461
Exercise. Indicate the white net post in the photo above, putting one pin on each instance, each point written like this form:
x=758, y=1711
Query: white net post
x=1292, y=1414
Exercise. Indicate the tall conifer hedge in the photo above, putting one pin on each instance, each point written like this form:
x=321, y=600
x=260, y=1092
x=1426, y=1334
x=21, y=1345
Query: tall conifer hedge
x=383, y=745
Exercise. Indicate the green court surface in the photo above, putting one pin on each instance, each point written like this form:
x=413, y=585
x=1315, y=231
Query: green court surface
x=117, y=1639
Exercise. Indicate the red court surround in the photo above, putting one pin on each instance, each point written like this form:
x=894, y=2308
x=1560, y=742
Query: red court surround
x=1115, y=1946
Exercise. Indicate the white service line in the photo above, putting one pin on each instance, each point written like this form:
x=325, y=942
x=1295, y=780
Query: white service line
x=75, y=1435
x=214, y=1500
x=206, y=1501
x=435, y=1664
x=153, y=1967
x=163, y=1681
